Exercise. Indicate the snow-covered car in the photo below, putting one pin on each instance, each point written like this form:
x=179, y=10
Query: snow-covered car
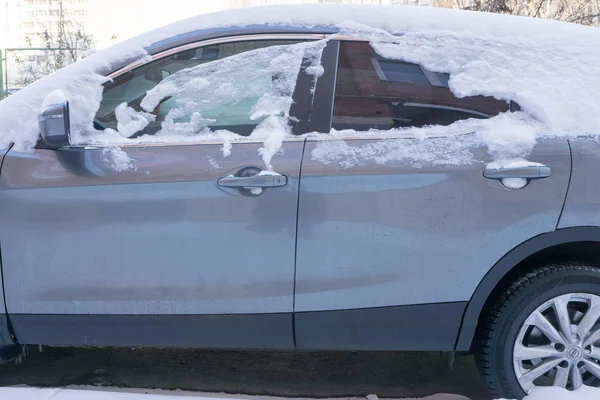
x=315, y=177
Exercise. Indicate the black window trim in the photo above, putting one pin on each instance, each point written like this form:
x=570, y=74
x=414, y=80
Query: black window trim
x=441, y=107
x=213, y=41
x=321, y=116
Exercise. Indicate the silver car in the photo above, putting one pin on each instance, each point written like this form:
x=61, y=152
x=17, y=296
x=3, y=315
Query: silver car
x=192, y=249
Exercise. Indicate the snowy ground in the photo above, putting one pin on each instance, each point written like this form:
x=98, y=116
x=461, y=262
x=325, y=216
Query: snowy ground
x=339, y=375
x=288, y=374
x=25, y=393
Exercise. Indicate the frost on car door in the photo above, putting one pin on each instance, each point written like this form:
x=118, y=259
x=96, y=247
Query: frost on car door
x=143, y=244
x=395, y=234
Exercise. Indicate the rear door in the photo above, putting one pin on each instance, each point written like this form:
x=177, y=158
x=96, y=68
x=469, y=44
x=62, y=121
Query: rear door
x=160, y=245
x=395, y=233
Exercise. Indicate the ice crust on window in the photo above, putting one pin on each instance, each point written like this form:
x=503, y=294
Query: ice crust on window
x=266, y=77
x=550, y=68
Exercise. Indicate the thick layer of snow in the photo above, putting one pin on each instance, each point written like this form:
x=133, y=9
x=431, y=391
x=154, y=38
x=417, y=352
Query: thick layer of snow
x=55, y=97
x=550, y=68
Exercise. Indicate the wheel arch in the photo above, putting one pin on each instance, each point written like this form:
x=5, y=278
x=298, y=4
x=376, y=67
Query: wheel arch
x=560, y=243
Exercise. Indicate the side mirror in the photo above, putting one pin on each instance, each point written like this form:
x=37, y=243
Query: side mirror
x=55, y=125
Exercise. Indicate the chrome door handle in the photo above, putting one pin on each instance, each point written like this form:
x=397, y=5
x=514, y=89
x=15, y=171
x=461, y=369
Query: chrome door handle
x=256, y=181
x=527, y=172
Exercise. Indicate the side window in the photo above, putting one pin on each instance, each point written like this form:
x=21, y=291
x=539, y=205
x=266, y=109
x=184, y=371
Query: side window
x=230, y=113
x=376, y=93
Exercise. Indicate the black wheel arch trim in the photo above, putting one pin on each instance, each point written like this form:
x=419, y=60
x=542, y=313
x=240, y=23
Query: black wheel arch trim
x=506, y=264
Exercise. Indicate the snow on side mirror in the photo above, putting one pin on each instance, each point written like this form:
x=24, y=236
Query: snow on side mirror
x=54, y=121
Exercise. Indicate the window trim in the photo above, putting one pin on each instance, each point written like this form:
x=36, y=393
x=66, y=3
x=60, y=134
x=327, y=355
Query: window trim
x=171, y=144
x=209, y=42
x=441, y=107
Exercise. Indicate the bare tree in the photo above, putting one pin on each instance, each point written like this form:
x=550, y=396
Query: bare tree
x=66, y=41
x=585, y=12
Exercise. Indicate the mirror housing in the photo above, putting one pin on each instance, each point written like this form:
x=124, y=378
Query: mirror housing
x=55, y=125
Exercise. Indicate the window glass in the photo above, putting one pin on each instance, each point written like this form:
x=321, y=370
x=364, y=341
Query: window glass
x=376, y=93
x=234, y=115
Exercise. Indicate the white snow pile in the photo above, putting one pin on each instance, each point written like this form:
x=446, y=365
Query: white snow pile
x=552, y=69
x=26, y=393
x=554, y=393
x=118, y=159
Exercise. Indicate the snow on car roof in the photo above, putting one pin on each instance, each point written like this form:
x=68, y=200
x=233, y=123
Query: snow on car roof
x=551, y=68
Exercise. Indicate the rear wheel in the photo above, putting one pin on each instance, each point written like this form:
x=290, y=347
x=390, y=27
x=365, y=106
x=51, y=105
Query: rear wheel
x=544, y=331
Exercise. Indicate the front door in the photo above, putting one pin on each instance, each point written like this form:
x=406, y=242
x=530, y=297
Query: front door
x=175, y=243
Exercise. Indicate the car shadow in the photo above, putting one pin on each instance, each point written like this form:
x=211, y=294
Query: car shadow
x=288, y=374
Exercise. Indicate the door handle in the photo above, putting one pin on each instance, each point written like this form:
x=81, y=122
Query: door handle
x=527, y=172
x=256, y=181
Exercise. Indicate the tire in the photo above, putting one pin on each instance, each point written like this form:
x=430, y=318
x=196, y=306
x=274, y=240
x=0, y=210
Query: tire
x=515, y=317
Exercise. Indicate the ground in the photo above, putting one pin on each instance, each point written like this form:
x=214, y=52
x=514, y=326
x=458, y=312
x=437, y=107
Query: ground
x=290, y=374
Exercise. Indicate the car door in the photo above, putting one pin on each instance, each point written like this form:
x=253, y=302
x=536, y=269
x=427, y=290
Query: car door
x=165, y=244
x=396, y=232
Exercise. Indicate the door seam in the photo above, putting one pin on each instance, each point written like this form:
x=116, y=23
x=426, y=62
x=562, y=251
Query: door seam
x=562, y=209
x=296, y=246
x=9, y=324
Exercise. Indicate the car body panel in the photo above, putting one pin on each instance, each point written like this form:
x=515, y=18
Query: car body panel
x=389, y=234
x=223, y=331
x=68, y=210
x=590, y=235
x=581, y=205
x=80, y=238
x=421, y=327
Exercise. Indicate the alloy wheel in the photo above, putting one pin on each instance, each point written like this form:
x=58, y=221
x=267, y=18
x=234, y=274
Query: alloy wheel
x=559, y=344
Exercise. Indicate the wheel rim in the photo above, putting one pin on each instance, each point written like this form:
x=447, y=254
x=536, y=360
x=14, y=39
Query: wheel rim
x=559, y=344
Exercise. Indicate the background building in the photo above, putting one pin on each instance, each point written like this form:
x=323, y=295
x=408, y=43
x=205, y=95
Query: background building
x=35, y=24
x=41, y=15
x=23, y=22
x=11, y=33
